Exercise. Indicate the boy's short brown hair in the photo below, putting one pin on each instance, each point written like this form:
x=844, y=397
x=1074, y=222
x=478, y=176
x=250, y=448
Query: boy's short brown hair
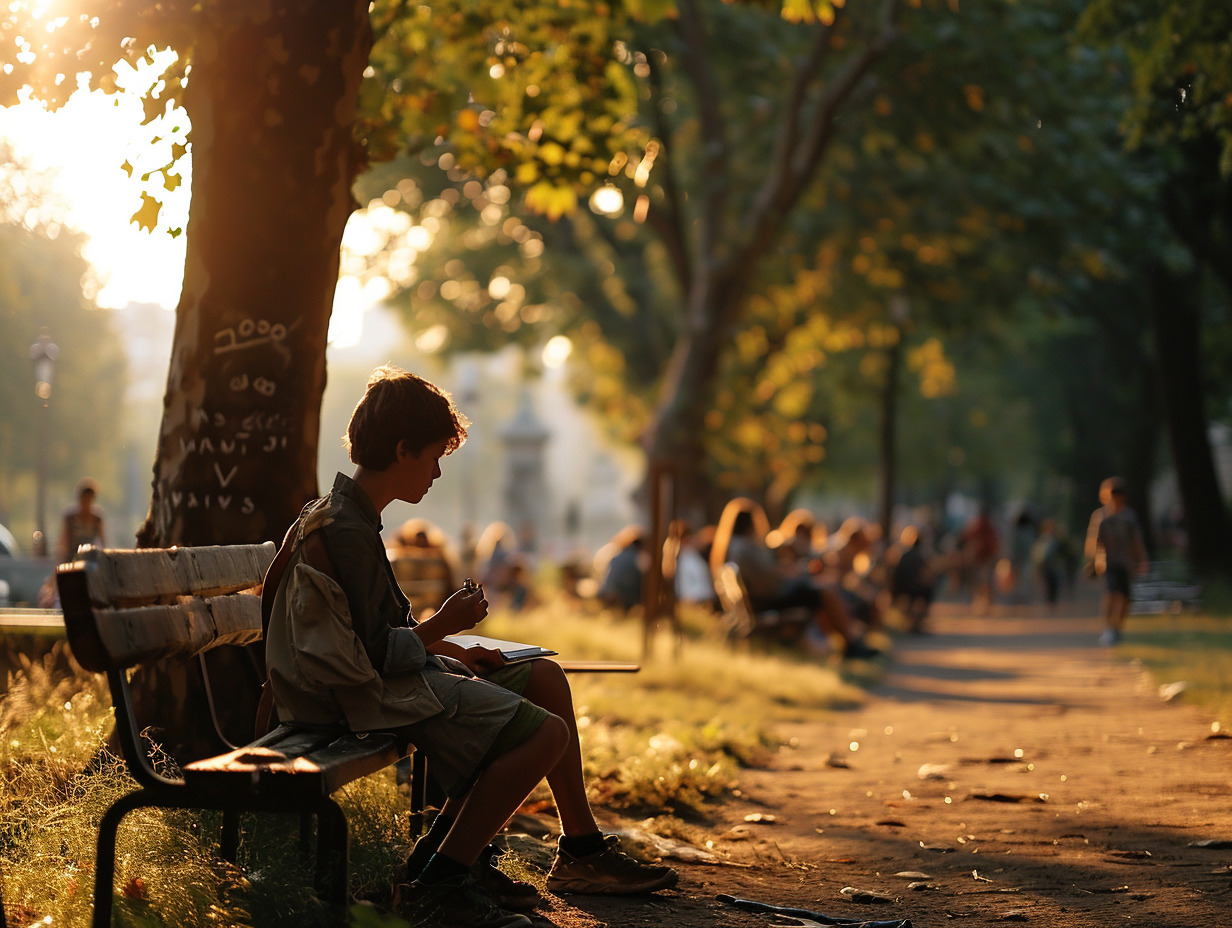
x=397, y=407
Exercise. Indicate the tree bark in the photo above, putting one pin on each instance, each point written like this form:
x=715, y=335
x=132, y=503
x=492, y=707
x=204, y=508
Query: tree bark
x=272, y=101
x=272, y=97
x=717, y=268
x=1176, y=325
x=888, y=445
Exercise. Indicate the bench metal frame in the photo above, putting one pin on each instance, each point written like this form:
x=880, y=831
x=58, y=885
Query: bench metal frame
x=117, y=616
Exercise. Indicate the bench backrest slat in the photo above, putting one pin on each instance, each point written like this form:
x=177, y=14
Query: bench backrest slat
x=145, y=633
x=147, y=575
x=122, y=608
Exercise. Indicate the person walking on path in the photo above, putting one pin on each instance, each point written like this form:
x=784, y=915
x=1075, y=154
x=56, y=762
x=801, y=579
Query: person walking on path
x=1115, y=549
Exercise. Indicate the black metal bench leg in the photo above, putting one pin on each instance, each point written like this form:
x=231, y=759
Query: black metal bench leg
x=419, y=782
x=104, y=864
x=332, y=856
x=306, y=823
x=229, y=844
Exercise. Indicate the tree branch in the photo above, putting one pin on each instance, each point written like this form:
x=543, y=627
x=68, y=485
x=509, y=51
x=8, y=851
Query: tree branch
x=800, y=156
x=715, y=148
x=668, y=220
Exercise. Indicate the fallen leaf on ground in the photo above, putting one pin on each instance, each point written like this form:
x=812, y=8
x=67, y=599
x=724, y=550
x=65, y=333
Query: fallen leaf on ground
x=865, y=896
x=679, y=850
x=762, y=818
x=1170, y=691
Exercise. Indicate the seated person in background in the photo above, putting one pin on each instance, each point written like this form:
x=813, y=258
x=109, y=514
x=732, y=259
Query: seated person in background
x=343, y=649
x=849, y=565
x=771, y=586
x=693, y=581
x=798, y=540
x=423, y=564
x=623, y=575
x=503, y=568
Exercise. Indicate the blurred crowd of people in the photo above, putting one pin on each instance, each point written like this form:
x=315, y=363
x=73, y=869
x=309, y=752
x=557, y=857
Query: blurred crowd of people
x=843, y=584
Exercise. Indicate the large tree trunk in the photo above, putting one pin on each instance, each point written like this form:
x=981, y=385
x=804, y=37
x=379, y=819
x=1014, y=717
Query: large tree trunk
x=1176, y=324
x=272, y=101
x=675, y=439
x=272, y=98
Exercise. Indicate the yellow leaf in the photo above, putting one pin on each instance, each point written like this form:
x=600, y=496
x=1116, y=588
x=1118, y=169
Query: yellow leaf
x=147, y=216
x=171, y=181
x=527, y=173
x=550, y=200
x=552, y=153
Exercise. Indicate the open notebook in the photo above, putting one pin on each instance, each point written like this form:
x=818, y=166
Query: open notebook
x=512, y=651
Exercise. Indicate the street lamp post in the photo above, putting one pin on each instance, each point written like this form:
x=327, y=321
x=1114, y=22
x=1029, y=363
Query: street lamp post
x=43, y=354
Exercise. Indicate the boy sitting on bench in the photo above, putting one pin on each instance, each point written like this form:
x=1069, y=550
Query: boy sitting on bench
x=343, y=647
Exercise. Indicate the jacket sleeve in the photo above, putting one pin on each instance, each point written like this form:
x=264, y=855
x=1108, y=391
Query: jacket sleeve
x=376, y=613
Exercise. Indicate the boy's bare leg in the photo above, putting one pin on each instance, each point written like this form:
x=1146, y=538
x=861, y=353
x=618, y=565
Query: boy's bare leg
x=549, y=688
x=501, y=788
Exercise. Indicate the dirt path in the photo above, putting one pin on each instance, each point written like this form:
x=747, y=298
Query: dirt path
x=1007, y=769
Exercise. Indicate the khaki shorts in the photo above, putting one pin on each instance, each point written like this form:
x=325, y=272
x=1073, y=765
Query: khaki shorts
x=484, y=719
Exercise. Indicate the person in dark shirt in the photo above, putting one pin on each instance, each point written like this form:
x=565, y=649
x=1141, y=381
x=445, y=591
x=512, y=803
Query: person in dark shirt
x=1115, y=549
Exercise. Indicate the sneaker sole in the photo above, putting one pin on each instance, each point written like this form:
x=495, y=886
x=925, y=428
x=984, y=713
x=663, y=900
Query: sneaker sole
x=588, y=888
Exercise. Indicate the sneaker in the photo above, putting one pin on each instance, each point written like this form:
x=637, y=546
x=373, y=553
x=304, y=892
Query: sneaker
x=608, y=872
x=505, y=891
x=456, y=903
x=1110, y=637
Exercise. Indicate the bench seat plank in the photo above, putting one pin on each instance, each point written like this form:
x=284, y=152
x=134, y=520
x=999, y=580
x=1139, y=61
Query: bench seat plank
x=295, y=762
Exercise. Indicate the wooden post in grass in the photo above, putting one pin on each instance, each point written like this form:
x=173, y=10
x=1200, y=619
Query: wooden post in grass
x=659, y=590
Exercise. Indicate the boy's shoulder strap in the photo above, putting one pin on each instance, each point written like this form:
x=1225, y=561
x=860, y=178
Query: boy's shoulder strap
x=304, y=534
x=273, y=576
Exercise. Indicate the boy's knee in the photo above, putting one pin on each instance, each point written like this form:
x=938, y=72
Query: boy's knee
x=549, y=677
x=554, y=733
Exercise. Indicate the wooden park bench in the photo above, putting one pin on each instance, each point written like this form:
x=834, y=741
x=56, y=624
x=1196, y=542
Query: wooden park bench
x=742, y=622
x=125, y=608
x=1165, y=588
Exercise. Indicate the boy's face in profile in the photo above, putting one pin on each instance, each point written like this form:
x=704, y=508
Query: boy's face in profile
x=416, y=472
